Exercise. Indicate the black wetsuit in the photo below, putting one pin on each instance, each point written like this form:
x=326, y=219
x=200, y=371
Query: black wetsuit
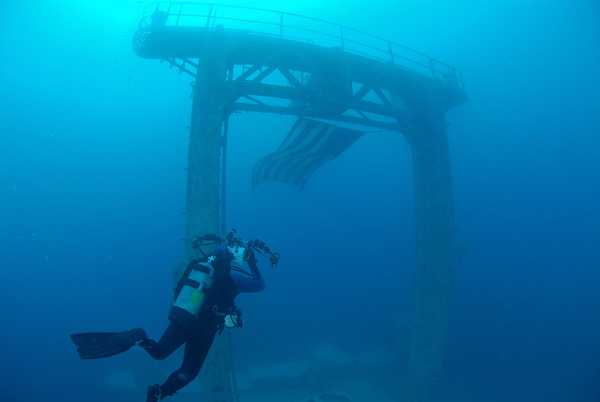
x=199, y=333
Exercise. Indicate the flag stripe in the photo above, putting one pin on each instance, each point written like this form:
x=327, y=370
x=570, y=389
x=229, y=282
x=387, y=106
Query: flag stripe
x=308, y=145
x=303, y=137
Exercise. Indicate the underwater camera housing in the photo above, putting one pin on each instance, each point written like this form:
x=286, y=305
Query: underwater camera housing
x=205, y=240
x=256, y=244
x=261, y=247
x=232, y=241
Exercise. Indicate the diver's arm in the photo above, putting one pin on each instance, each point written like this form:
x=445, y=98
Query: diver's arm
x=245, y=284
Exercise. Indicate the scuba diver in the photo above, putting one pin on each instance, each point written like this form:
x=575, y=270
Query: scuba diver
x=203, y=305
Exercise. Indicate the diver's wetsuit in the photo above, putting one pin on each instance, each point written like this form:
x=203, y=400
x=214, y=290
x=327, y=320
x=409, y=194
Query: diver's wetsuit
x=199, y=333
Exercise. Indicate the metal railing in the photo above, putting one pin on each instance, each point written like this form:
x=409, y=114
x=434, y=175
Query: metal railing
x=296, y=27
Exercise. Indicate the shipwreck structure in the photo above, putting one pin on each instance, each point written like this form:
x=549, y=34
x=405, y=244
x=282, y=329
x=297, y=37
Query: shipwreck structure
x=245, y=59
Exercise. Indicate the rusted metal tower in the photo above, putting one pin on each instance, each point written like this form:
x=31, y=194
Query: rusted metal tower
x=245, y=59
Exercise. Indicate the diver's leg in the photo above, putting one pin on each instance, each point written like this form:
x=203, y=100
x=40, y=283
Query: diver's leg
x=172, y=338
x=196, y=349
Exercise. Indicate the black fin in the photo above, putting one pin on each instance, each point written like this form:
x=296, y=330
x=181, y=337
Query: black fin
x=92, y=338
x=97, y=345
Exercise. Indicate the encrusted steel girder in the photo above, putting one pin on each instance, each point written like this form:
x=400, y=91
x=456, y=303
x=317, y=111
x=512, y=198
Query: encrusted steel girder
x=305, y=96
x=304, y=102
x=326, y=92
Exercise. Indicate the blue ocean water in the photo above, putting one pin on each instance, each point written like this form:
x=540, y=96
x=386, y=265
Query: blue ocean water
x=93, y=146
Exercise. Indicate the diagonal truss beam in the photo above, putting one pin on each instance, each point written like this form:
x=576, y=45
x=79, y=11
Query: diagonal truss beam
x=318, y=102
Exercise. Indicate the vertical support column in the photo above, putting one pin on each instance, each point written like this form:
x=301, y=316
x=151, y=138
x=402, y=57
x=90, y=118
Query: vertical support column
x=202, y=200
x=204, y=154
x=434, y=254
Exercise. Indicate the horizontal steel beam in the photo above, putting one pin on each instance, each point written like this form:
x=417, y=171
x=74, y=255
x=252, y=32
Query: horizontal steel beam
x=317, y=114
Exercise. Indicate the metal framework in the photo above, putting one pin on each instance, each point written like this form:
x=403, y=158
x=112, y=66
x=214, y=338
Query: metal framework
x=255, y=60
x=300, y=28
x=366, y=83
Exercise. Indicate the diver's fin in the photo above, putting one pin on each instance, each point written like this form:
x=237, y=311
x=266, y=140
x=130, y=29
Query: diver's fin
x=96, y=345
x=101, y=351
x=92, y=338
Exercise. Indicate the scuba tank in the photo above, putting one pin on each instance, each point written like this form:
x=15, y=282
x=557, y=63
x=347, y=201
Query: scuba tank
x=191, y=291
